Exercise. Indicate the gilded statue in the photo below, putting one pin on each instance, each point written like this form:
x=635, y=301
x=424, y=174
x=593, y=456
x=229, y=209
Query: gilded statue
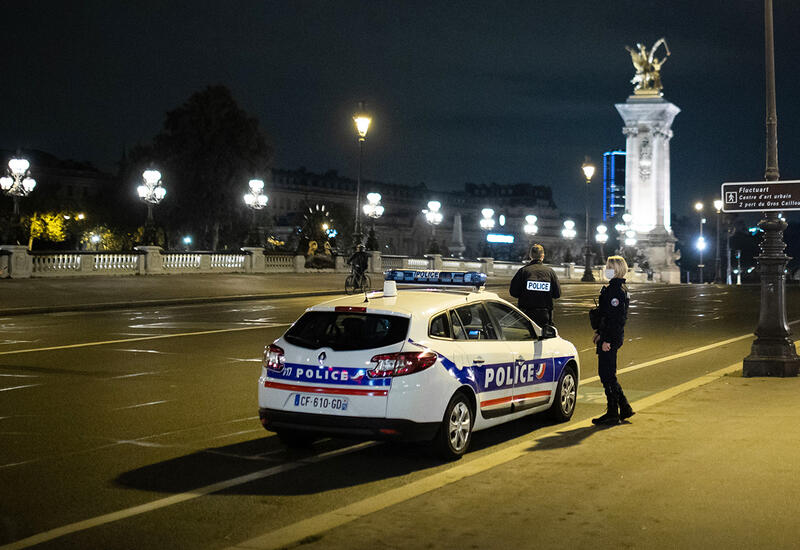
x=647, y=80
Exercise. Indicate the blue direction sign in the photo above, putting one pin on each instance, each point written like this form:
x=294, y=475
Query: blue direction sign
x=761, y=196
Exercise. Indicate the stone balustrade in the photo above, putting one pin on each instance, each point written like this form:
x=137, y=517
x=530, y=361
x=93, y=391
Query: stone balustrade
x=18, y=262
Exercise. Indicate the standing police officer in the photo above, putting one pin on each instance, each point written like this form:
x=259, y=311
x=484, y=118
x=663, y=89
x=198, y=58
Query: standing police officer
x=536, y=286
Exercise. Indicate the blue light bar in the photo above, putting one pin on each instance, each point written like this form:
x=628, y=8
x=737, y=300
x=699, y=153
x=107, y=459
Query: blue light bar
x=438, y=278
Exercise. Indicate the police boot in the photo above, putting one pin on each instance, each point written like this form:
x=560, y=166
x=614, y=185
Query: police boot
x=611, y=416
x=625, y=410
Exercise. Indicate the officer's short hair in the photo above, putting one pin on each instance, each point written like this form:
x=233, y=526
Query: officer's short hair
x=537, y=252
x=618, y=264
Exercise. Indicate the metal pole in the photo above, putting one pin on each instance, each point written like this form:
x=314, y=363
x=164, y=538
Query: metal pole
x=717, y=259
x=588, y=276
x=773, y=352
x=728, y=249
x=700, y=265
x=356, y=225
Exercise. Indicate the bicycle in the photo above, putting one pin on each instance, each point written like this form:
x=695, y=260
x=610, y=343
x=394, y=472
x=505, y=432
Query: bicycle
x=357, y=282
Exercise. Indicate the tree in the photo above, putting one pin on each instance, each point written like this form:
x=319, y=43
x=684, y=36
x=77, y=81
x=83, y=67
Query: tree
x=207, y=152
x=48, y=226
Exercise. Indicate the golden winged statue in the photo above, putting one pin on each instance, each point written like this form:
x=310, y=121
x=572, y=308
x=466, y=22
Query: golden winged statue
x=647, y=80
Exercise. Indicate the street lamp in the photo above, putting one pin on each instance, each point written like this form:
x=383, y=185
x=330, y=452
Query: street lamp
x=362, y=121
x=717, y=259
x=487, y=222
x=374, y=210
x=255, y=200
x=569, y=232
x=151, y=192
x=588, y=276
x=187, y=242
x=18, y=183
x=434, y=217
x=601, y=237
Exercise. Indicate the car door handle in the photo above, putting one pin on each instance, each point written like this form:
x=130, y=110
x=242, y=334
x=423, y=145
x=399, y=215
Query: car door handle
x=478, y=360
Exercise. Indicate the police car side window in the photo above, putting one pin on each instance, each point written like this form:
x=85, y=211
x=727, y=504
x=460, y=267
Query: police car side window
x=477, y=323
x=512, y=324
x=458, y=329
x=440, y=327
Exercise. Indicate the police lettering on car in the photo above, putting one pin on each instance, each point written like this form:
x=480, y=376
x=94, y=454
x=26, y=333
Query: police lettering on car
x=430, y=363
x=536, y=286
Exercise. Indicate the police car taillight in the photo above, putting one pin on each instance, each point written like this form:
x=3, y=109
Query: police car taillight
x=273, y=357
x=400, y=364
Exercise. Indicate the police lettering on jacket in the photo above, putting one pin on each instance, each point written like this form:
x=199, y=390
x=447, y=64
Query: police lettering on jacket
x=535, y=286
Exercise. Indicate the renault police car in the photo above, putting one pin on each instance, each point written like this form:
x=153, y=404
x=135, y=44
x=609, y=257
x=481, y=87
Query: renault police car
x=432, y=363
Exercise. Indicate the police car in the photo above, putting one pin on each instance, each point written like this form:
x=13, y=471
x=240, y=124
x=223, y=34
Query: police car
x=431, y=363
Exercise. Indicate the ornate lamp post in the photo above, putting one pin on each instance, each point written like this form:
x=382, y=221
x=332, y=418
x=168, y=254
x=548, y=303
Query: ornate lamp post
x=151, y=192
x=588, y=276
x=701, y=242
x=434, y=217
x=255, y=200
x=773, y=352
x=374, y=210
x=17, y=184
x=362, y=121
x=601, y=237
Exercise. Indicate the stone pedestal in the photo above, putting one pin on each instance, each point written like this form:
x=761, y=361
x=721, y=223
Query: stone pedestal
x=648, y=131
x=153, y=262
x=255, y=261
x=15, y=262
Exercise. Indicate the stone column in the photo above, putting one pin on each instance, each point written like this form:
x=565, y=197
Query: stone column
x=255, y=262
x=153, y=262
x=487, y=265
x=15, y=262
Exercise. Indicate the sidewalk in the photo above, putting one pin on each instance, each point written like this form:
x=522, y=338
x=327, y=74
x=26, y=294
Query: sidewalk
x=46, y=295
x=713, y=467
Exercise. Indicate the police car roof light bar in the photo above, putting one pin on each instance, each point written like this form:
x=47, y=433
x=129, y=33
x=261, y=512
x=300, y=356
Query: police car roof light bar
x=436, y=278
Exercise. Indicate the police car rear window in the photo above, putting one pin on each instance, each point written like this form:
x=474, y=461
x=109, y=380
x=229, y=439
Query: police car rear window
x=346, y=331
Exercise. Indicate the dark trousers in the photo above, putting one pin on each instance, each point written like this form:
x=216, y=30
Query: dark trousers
x=607, y=369
x=540, y=316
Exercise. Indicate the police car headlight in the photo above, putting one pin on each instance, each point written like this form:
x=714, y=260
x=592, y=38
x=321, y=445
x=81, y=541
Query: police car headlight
x=401, y=364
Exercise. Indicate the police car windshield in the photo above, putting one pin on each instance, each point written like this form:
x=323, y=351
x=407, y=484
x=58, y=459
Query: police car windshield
x=346, y=331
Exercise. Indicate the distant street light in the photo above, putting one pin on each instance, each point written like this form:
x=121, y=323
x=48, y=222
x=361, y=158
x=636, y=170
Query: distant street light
x=187, y=242
x=530, y=228
x=698, y=206
x=588, y=171
x=434, y=217
x=602, y=237
x=151, y=192
x=487, y=221
x=255, y=200
x=569, y=232
x=374, y=210
x=362, y=121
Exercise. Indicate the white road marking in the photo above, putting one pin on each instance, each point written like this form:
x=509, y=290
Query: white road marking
x=21, y=375
x=177, y=499
x=142, y=338
x=139, y=405
x=135, y=374
x=20, y=387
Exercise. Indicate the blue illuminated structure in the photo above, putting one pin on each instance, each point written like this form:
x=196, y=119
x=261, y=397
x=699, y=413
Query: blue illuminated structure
x=613, y=184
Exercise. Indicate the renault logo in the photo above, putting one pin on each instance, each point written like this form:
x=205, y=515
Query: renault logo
x=321, y=358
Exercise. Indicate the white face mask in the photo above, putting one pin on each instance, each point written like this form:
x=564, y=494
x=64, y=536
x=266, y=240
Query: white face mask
x=609, y=273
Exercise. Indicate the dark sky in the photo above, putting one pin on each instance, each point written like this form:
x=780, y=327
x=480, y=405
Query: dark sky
x=460, y=91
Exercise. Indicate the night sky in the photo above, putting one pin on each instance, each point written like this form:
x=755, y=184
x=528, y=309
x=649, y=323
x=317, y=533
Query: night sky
x=460, y=92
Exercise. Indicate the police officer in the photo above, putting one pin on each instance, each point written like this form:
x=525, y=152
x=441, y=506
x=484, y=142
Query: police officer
x=536, y=286
x=608, y=338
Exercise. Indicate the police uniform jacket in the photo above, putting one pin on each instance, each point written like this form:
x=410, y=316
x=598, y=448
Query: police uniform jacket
x=535, y=286
x=613, y=303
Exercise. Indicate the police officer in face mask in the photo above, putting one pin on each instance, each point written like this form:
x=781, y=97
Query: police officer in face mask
x=536, y=286
x=613, y=304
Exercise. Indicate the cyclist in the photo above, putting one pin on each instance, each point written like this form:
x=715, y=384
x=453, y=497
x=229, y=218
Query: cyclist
x=358, y=261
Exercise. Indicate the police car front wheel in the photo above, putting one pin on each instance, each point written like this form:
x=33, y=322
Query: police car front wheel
x=566, y=396
x=455, y=432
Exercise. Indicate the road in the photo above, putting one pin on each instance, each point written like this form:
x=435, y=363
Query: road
x=139, y=413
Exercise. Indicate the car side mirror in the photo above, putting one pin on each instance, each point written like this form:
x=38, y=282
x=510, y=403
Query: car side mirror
x=548, y=331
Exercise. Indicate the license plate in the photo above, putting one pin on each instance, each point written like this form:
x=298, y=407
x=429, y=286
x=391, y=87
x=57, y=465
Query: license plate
x=310, y=401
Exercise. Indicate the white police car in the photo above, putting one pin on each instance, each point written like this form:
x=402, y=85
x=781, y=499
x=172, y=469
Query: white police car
x=420, y=364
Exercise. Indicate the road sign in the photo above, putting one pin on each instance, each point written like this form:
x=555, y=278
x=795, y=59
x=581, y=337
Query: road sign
x=761, y=196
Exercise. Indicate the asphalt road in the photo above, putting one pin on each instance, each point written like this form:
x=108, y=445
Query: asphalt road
x=141, y=412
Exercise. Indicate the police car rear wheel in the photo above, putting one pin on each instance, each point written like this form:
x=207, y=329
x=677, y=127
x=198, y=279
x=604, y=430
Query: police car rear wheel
x=566, y=396
x=456, y=429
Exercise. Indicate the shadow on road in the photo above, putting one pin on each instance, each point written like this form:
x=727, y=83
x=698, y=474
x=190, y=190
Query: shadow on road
x=568, y=438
